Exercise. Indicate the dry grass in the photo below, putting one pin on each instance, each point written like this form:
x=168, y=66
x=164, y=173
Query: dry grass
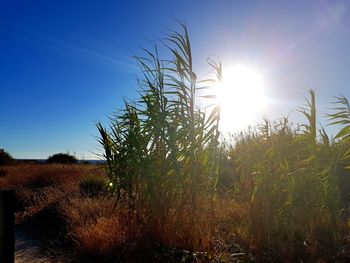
x=101, y=237
x=93, y=224
x=98, y=230
x=40, y=186
x=40, y=175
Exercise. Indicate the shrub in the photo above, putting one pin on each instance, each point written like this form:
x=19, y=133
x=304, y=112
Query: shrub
x=63, y=158
x=92, y=186
x=6, y=158
x=2, y=173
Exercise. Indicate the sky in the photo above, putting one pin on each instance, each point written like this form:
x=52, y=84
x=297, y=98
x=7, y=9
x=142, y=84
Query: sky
x=64, y=65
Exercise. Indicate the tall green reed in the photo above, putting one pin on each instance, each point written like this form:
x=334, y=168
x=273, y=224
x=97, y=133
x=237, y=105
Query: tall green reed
x=164, y=160
x=161, y=150
x=290, y=175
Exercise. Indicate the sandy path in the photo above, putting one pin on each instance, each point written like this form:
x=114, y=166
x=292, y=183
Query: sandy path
x=28, y=250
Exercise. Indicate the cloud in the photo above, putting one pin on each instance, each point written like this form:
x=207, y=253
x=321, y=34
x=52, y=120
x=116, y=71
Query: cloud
x=332, y=14
x=71, y=49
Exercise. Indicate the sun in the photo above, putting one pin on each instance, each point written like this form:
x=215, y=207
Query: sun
x=241, y=96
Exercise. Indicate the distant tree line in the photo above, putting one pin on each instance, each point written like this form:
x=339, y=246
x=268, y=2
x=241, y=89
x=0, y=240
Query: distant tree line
x=62, y=158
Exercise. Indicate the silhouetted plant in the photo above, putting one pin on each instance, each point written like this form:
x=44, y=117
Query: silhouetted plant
x=341, y=117
x=6, y=158
x=63, y=158
x=161, y=151
x=292, y=181
x=163, y=159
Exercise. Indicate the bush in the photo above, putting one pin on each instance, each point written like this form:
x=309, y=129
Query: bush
x=92, y=186
x=63, y=158
x=6, y=158
x=2, y=173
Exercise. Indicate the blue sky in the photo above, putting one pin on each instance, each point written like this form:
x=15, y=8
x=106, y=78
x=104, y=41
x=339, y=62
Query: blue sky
x=64, y=65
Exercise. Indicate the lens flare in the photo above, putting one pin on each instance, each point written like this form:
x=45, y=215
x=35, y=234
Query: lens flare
x=241, y=97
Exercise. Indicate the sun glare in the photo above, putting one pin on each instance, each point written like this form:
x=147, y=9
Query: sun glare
x=241, y=97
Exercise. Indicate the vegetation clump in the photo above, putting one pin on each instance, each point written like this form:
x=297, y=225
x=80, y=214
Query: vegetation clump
x=6, y=158
x=162, y=152
x=62, y=158
x=165, y=162
x=92, y=186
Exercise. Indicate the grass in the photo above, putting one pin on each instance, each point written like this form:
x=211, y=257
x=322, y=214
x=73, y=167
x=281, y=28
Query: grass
x=93, y=186
x=40, y=192
x=93, y=225
x=99, y=230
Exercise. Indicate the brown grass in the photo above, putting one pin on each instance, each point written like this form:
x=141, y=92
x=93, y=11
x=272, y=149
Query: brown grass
x=40, y=186
x=36, y=176
x=93, y=224
x=99, y=230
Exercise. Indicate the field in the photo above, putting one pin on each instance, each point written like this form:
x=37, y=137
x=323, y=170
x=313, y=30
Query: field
x=251, y=219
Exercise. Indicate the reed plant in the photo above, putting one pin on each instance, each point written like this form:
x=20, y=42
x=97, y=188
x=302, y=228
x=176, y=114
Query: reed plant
x=290, y=175
x=161, y=150
x=284, y=195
